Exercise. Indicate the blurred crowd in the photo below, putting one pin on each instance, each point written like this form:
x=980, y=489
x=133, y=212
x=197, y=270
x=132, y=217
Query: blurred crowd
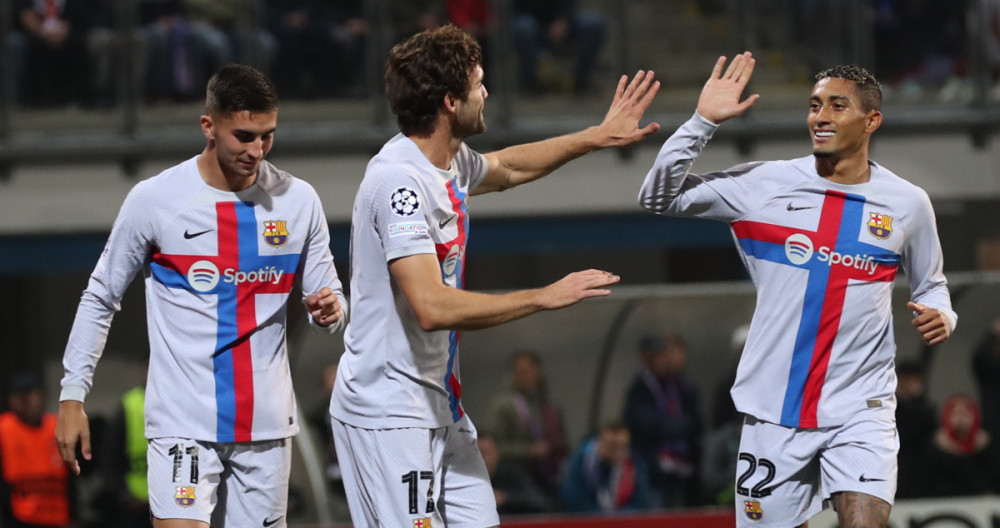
x=79, y=51
x=64, y=52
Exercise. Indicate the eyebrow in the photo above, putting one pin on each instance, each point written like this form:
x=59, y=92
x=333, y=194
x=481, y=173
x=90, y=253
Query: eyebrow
x=832, y=98
x=252, y=133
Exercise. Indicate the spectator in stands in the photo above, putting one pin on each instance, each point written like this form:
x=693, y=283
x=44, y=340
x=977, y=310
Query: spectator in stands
x=178, y=61
x=663, y=414
x=556, y=27
x=916, y=422
x=529, y=427
x=56, y=54
x=319, y=420
x=962, y=460
x=125, y=498
x=515, y=490
x=605, y=475
x=413, y=16
x=35, y=486
x=231, y=31
x=321, y=46
x=476, y=18
x=986, y=369
x=722, y=444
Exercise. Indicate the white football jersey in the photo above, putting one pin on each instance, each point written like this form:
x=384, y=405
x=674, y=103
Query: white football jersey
x=218, y=268
x=394, y=374
x=823, y=257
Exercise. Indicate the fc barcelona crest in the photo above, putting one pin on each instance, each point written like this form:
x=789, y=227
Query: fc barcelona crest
x=422, y=523
x=184, y=496
x=275, y=233
x=879, y=225
x=752, y=509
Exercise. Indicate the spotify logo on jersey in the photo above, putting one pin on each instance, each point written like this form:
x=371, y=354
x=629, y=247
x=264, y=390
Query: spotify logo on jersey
x=798, y=249
x=203, y=276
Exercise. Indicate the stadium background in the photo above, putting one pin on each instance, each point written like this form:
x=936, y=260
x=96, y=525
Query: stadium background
x=64, y=173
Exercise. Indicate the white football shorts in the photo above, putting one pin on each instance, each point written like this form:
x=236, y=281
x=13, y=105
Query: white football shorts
x=785, y=475
x=223, y=484
x=419, y=478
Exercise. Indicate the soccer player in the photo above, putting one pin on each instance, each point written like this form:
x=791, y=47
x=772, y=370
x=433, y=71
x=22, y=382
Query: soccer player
x=822, y=237
x=220, y=239
x=406, y=447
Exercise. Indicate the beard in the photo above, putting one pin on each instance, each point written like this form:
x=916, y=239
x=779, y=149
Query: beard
x=822, y=154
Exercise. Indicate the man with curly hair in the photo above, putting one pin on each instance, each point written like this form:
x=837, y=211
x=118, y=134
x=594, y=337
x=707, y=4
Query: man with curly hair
x=406, y=447
x=822, y=237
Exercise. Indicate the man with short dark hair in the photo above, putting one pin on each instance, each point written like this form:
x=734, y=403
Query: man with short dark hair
x=220, y=238
x=822, y=237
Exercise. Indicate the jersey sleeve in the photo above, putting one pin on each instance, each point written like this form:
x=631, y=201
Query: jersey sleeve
x=399, y=210
x=316, y=267
x=670, y=188
x=923, y=262
x=473, y=164
x=125, y=253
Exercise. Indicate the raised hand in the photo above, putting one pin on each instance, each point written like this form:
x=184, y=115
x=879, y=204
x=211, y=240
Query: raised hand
x=621, y=123
x=720, y=98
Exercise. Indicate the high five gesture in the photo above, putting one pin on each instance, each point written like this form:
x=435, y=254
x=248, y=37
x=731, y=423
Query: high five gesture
x=720, y=98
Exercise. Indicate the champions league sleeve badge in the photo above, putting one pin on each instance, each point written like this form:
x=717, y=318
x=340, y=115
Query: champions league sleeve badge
x=404, y=201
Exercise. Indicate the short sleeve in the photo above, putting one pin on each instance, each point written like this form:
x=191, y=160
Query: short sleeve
x=473, y=165
x=399, y=208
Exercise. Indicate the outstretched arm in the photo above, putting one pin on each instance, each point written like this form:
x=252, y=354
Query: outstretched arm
x=669, y=188
x=440, y=307
x=720, y=97
x=520, y=164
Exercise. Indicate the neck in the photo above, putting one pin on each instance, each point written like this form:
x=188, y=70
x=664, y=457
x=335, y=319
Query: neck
x=846, y=171
x=439, y=146
x=212, y=173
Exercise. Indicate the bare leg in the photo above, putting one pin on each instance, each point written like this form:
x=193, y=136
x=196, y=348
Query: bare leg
x=860, y=510
x=177, y=523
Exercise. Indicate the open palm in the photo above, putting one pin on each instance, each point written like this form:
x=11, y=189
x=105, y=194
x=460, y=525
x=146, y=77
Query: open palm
x=720, y=98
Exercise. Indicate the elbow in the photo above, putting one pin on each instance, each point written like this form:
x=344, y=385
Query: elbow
x=431, y=320
x=653, y=205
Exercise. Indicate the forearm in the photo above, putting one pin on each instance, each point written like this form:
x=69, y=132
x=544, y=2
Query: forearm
x=524, y=163
x=85, y=346
x=454, y=309
x=664, y=181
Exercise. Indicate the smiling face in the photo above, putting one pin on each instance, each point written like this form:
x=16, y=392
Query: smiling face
x=242, y=140
x=839, y=124
x=469, y=118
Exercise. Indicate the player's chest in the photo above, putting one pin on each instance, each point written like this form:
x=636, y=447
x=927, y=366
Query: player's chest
x=230, y=229
x=830, y=218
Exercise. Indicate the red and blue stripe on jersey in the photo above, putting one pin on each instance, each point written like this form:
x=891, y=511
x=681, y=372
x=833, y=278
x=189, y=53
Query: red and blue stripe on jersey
x=457, y=269
x=238, y=243
x=823, y=305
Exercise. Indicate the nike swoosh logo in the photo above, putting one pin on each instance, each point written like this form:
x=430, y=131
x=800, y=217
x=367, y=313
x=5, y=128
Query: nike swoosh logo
x=189, y=236
x=444, y=222
x=794, y=208
x=269, y=523
x=863, y=478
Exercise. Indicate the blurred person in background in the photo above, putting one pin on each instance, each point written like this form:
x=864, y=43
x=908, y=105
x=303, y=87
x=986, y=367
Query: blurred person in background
x=546, y=28
x=56, y=66
x=962, y=460
x=916, y=420
x=515, y=490
x=35, y=486
x=604, y=475
x=529, y=427
x=663, y=414
x=986, y=370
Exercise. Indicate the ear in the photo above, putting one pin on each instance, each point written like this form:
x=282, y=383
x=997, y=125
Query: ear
x=450, y=103
x=874, y=121
x=208, y=127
